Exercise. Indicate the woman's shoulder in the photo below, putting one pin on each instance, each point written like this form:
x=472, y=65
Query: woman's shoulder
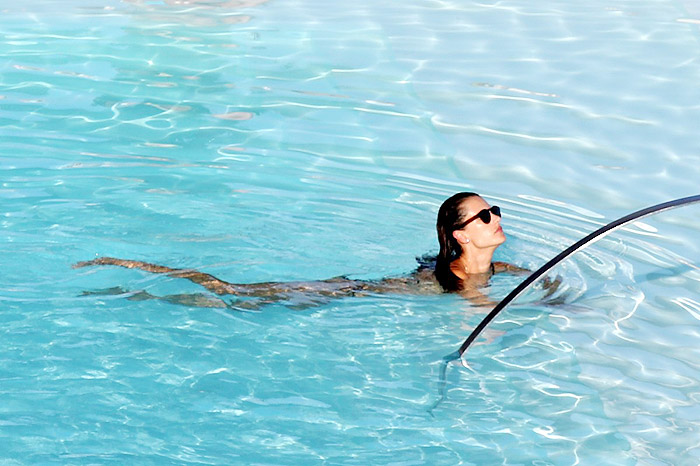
x=427, y=262
x=505, y=267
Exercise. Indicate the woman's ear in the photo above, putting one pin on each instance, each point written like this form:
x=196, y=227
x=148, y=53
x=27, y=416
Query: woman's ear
x=460, y=236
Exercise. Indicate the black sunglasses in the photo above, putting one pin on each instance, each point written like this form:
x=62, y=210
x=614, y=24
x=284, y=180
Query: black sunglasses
x=483, y=215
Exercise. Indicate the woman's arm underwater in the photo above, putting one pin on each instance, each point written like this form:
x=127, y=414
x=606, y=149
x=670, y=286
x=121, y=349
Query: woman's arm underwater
x=549, y=285
x=209, y=282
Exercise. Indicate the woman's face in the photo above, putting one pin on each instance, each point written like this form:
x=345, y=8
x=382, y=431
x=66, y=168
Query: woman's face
x=480, y=234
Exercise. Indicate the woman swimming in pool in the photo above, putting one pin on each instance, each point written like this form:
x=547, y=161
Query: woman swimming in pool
x=469, y=232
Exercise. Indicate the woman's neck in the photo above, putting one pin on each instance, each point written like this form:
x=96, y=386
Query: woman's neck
x=473, y=263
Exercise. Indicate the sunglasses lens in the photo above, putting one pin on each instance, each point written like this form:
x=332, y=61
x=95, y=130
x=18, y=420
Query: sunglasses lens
x=485, y=216
x=496, y=210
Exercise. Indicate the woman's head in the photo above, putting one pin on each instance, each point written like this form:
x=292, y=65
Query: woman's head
x=466, y=220
x=450, y=217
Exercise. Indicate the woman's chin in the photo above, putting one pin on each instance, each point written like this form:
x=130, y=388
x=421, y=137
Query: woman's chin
x=500, y=238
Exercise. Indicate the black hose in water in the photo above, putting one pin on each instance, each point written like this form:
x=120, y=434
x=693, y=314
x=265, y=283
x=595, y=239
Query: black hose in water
x=518, y=290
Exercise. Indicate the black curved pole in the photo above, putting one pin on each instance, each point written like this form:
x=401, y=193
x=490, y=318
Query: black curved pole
x=579, y=245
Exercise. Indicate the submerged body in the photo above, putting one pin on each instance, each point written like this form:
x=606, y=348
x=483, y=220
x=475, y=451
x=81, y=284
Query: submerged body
x=469, y=232
x=422, y=281
x=302, y=293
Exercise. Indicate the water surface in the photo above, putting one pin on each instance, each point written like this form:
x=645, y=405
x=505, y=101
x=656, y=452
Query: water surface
x=283, y=141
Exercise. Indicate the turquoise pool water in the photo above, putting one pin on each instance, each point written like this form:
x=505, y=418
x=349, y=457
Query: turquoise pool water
x=295, y=140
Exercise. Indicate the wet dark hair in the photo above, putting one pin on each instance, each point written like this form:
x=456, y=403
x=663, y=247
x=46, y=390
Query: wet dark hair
x=449, y=219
